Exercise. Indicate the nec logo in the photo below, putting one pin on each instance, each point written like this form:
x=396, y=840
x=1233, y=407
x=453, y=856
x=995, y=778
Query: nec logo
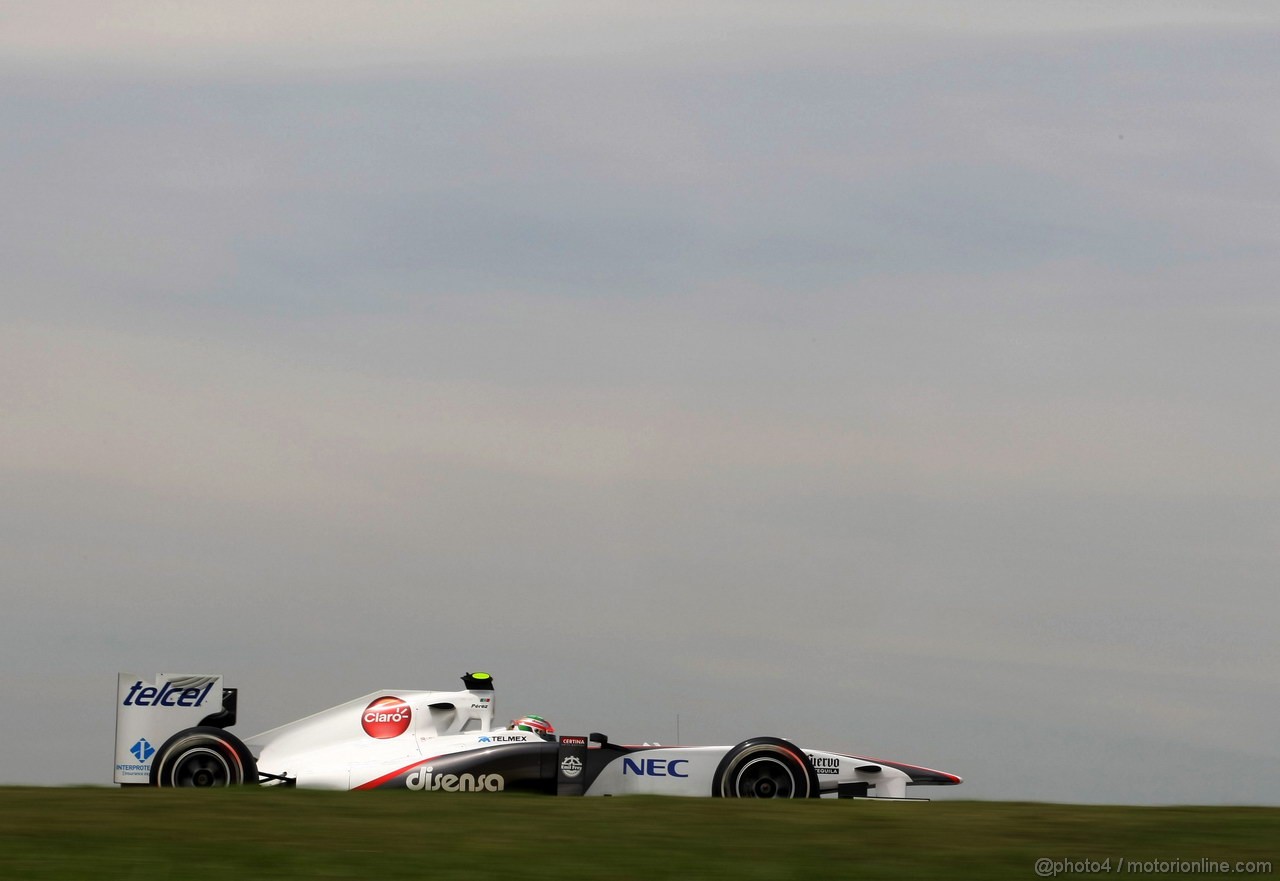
x=654, y=767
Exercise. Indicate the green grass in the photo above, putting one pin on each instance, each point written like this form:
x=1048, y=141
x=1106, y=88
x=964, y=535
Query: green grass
x=89, y=833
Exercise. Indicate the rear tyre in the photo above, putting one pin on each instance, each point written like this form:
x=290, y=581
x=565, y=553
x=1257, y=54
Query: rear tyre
x=203, y=757
x=765, y=767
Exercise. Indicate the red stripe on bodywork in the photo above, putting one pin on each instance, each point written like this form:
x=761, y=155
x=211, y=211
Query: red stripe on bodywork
x=378, y=781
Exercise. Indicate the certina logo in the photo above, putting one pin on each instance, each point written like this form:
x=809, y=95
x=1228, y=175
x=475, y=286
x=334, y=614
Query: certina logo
x=142, y=750
x=423, y=780
x=167, y=695
x=386, y=717
x=571, y=766
x=654, y=767
x=825, y=764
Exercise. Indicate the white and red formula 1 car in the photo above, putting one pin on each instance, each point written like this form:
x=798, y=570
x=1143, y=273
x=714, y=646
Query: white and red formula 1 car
x=171, y=731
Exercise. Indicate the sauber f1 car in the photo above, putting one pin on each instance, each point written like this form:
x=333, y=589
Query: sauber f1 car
x=171, y=730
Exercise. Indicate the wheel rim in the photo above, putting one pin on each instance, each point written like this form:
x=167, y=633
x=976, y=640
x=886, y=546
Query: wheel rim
x=765, y=777
x=200, y=767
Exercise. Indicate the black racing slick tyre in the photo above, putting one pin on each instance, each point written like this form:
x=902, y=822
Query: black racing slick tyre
x=203, y=757
x=765, y=767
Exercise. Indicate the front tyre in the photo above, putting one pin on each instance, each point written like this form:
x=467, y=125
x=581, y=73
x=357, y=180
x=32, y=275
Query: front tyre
x=765, y=767
x=203, y=757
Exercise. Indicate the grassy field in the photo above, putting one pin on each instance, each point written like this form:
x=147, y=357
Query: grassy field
x=89, y=833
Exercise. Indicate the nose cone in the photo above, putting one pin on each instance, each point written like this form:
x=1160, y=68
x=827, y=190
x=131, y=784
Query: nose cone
x=923, y=776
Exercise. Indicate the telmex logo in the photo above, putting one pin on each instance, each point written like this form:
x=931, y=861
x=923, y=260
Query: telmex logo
x=654, y=767
x=386, y=717
x=166, y=696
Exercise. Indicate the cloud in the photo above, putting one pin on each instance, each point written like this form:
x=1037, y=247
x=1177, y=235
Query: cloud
x=655, y=358
x=339, y=35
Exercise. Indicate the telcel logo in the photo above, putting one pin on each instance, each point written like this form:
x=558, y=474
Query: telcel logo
x=654, y=767
x=165, y=696
x=386, y=717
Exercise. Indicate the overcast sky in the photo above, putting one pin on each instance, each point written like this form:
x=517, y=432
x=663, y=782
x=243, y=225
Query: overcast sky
x=898, y=378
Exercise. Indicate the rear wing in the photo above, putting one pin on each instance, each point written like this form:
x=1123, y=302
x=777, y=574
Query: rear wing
x=152, y=707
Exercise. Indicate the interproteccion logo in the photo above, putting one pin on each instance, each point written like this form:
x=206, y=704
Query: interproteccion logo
x=142, y=750
x=386, y=717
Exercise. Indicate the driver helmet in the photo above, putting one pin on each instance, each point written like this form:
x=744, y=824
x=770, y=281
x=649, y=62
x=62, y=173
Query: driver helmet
x=536, y=724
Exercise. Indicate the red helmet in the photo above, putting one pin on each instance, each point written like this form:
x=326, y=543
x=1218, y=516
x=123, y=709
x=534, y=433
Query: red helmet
x=536, y=724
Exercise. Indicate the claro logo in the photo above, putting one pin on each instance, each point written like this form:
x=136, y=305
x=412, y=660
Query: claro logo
x=386, y=717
